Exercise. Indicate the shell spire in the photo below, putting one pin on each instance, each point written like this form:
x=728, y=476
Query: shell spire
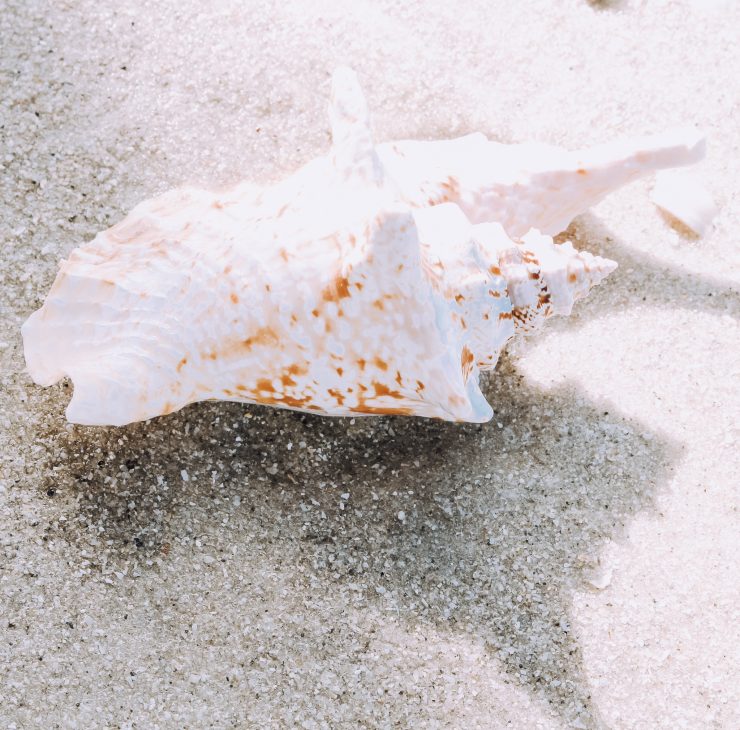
x=568, y=274
x=545, y=279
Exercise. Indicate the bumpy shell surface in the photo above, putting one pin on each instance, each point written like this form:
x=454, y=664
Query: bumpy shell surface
x=360, y=285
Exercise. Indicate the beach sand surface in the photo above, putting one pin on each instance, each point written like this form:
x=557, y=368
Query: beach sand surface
x=571, y=564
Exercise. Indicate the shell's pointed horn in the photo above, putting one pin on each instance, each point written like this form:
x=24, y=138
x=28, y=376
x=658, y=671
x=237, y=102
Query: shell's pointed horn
x=582, y=178
x=673, y=148
x=348, y=104
x=353, y=151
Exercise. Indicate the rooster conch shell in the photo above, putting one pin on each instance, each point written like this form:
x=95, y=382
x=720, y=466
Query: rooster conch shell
x=372, y=281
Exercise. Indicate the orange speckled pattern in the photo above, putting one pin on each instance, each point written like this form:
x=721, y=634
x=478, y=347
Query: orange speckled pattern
x=358, y=286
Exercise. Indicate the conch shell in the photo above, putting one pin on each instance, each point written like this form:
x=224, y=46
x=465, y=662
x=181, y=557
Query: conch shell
x=375, y=280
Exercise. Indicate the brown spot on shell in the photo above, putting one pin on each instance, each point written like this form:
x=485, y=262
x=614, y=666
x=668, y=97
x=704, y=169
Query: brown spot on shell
x=466, y=361
x=338, y=289
x=234, y=298
x=459, y=298
x=382, y=389
x=336, y=394
x=378, y=304
x=572, y=278
x=521, y=314
x=452, y=187
x=382, y=364
x=286, y=400
x=495, y=270
x=181, y=364
x=581, y=171
x=263, y=336
x=382, y=410
x=361, y=362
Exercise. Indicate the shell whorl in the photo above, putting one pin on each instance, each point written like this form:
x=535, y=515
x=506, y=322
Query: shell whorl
x=544, y=278
x=499, y=287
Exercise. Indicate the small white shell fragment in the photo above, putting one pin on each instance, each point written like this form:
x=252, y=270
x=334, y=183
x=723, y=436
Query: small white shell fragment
x=601, y=579
x=378, y=279
x=682, y=196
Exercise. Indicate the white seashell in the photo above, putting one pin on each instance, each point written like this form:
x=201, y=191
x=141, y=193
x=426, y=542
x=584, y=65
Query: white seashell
x=684, y=198
x=359, y=285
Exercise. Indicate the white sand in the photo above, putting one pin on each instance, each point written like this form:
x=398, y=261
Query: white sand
x=574, y=563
